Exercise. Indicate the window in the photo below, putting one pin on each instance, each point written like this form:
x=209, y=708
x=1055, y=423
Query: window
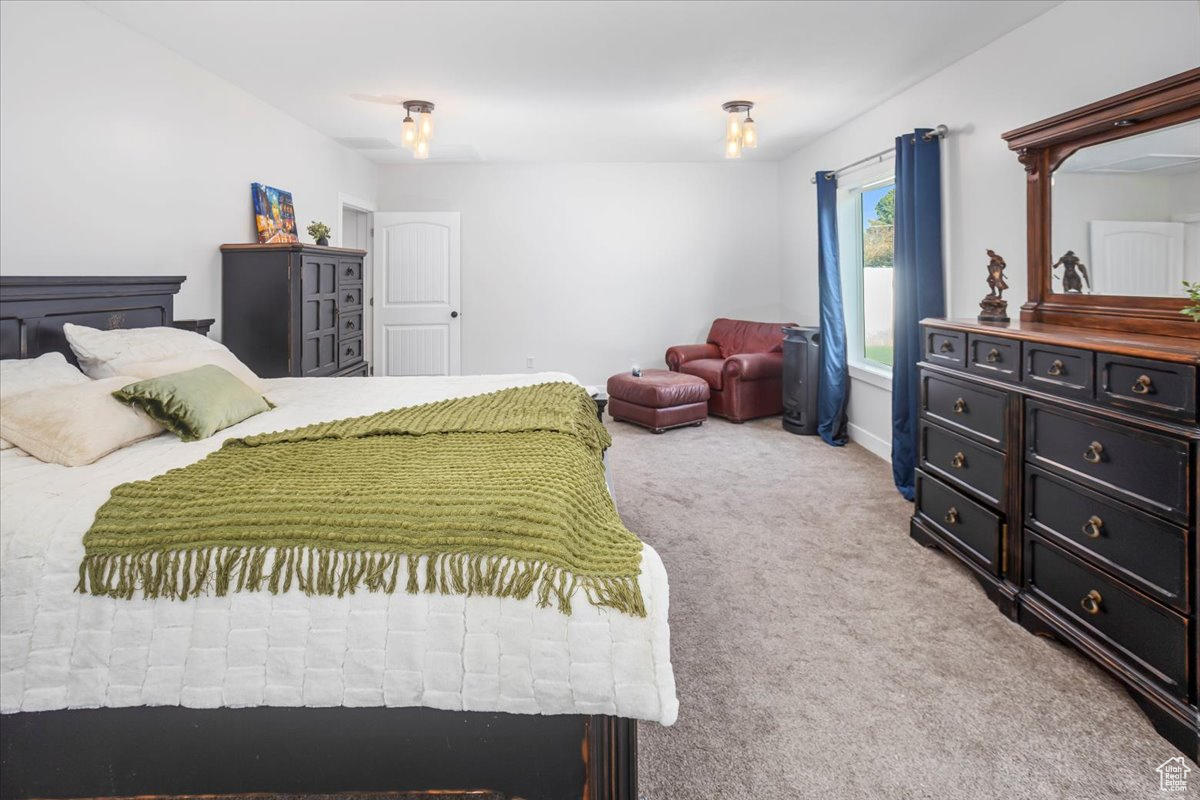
x=875, y=251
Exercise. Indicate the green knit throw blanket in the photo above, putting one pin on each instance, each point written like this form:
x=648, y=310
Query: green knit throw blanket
x=501, y=494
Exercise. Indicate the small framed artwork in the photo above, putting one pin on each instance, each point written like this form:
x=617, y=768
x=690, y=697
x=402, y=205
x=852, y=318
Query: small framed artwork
x=274, y=214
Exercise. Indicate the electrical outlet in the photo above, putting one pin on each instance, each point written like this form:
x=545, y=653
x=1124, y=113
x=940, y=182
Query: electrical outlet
x=528, y=362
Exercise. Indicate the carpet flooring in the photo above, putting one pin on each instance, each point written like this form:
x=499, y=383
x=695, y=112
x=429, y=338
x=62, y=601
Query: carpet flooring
x=820, y=652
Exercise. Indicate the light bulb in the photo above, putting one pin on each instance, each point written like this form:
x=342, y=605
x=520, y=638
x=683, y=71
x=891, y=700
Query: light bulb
x=408, y=132
x=733, y=148
x=749, y=134
x=734, y=130
x=427, y=125
x=421, y=150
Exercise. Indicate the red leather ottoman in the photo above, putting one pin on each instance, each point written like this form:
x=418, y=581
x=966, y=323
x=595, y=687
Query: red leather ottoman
x=659, y=399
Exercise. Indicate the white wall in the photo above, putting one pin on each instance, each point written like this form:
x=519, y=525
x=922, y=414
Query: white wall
x=1074, y=54
x=590, y=268
x=118, y=156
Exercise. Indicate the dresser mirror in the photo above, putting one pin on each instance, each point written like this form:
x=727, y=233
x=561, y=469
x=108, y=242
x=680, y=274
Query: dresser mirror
x=1125, y=215
x=1113, y=210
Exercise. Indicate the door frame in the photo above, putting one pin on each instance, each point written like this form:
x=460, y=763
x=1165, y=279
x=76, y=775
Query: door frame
x=368, y=207
x=453, y=221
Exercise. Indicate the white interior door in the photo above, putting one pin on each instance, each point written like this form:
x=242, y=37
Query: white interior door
x=1136, y=258
x=417, y=277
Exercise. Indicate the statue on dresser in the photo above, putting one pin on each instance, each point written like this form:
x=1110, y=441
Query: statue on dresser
x=1072, y=269
x=993, y=307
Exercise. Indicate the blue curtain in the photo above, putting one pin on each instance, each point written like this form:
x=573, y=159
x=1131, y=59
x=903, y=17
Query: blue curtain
x=833, y=383
x=918, y=287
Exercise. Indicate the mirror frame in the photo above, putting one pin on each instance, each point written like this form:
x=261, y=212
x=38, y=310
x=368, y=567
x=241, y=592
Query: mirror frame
x=1042, y=147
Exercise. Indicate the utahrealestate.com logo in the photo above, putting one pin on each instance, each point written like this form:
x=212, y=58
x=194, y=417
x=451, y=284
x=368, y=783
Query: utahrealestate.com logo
x=1172, y=775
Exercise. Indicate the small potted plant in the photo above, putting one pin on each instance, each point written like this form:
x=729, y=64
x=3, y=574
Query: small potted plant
x=319, y=231
x=1193, y=292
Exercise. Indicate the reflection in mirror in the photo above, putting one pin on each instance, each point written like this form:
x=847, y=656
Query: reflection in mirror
x=1125, y=215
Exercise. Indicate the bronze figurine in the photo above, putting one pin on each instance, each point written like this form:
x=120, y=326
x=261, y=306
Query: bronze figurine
x=1072, y=269
x=994, y=307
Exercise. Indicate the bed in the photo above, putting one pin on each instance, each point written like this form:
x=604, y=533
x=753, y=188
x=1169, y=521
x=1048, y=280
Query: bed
x=290, y=694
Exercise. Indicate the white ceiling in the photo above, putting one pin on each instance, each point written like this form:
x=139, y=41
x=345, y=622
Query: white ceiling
x=576, y=81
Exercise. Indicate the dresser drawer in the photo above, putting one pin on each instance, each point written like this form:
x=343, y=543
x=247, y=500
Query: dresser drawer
x=973, y=528
x=1138, y=548
x=994, y=357
x=972, y=410
x=963, y=462
x=350, y=324
x=1153, y=387
x=350, y=271
x=349, y=297
x=1148, y=470
x=349, y=351
x=1058, y=370
x=1151, y=637
x=948, y=348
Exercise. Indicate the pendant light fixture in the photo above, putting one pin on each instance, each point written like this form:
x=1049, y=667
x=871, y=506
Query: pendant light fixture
x=416, y=134
x=740, y=131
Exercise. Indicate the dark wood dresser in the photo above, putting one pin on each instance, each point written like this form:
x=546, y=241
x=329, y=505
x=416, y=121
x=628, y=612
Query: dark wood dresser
x=1060, y=465
x=294, y=309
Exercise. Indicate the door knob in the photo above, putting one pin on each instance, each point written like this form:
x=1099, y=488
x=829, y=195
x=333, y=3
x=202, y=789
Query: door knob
x=453, y=315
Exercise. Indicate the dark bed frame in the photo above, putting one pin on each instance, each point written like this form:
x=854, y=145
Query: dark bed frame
x=184, y=752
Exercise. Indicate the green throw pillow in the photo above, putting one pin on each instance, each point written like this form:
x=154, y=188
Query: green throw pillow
x=195, y=403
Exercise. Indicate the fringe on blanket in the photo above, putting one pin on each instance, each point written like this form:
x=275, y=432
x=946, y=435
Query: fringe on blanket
x=180, y=574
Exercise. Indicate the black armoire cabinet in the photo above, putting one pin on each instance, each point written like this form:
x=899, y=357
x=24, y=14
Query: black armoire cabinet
x=294, y=310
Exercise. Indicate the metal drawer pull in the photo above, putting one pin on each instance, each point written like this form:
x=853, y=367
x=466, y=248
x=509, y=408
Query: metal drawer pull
x=349, y=298
x=1092, y=527
x=349, y=324
x=1056, y=368
x=1092, y=454
x=946, y=347
x=1091, y=603
x=993, y=356
x=960, y=406
x=349, y=351
x=959, y=461
x=951, y=516
x=349, y=272
x=1143, y=385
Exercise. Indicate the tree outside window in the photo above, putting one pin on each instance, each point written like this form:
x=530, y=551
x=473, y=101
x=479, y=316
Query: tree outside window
x=878, y=214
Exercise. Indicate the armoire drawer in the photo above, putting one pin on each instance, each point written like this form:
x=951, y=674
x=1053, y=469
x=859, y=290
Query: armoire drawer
x=1154, y=387
x=349, y=297
x=970, y=409
x=961, y=461
x=1136, y=547
x=1058, y=370
x=349, y=351
x=993, y=357
x=973, y=528
x=350, y=324
x=945, y=347
x=1151, y=637
x=350, y=271
x=1146, y=469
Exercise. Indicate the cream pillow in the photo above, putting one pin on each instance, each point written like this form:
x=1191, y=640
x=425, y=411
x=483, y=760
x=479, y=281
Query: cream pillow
x=185, y=361
x=103, y=354
x=74, y=425
x=47, y=371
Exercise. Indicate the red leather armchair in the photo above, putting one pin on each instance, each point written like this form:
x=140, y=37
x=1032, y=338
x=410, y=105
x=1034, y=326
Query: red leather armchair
x=743, y=364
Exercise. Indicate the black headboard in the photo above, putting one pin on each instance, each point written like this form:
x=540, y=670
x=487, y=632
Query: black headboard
x=34, y=309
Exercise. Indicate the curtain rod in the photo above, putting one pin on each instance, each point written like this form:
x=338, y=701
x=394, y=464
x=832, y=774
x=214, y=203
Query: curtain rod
x=939, y=132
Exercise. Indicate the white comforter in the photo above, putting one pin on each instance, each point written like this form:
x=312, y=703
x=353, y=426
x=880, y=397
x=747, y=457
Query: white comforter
x=61, y=649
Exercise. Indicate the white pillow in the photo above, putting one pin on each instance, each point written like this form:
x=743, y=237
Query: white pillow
x=222, y=358
x=102, y=354
x=74, y=425
x=47, y=371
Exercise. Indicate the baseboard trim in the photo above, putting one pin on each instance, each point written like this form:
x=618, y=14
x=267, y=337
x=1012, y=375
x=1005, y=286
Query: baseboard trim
x=870, y=442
